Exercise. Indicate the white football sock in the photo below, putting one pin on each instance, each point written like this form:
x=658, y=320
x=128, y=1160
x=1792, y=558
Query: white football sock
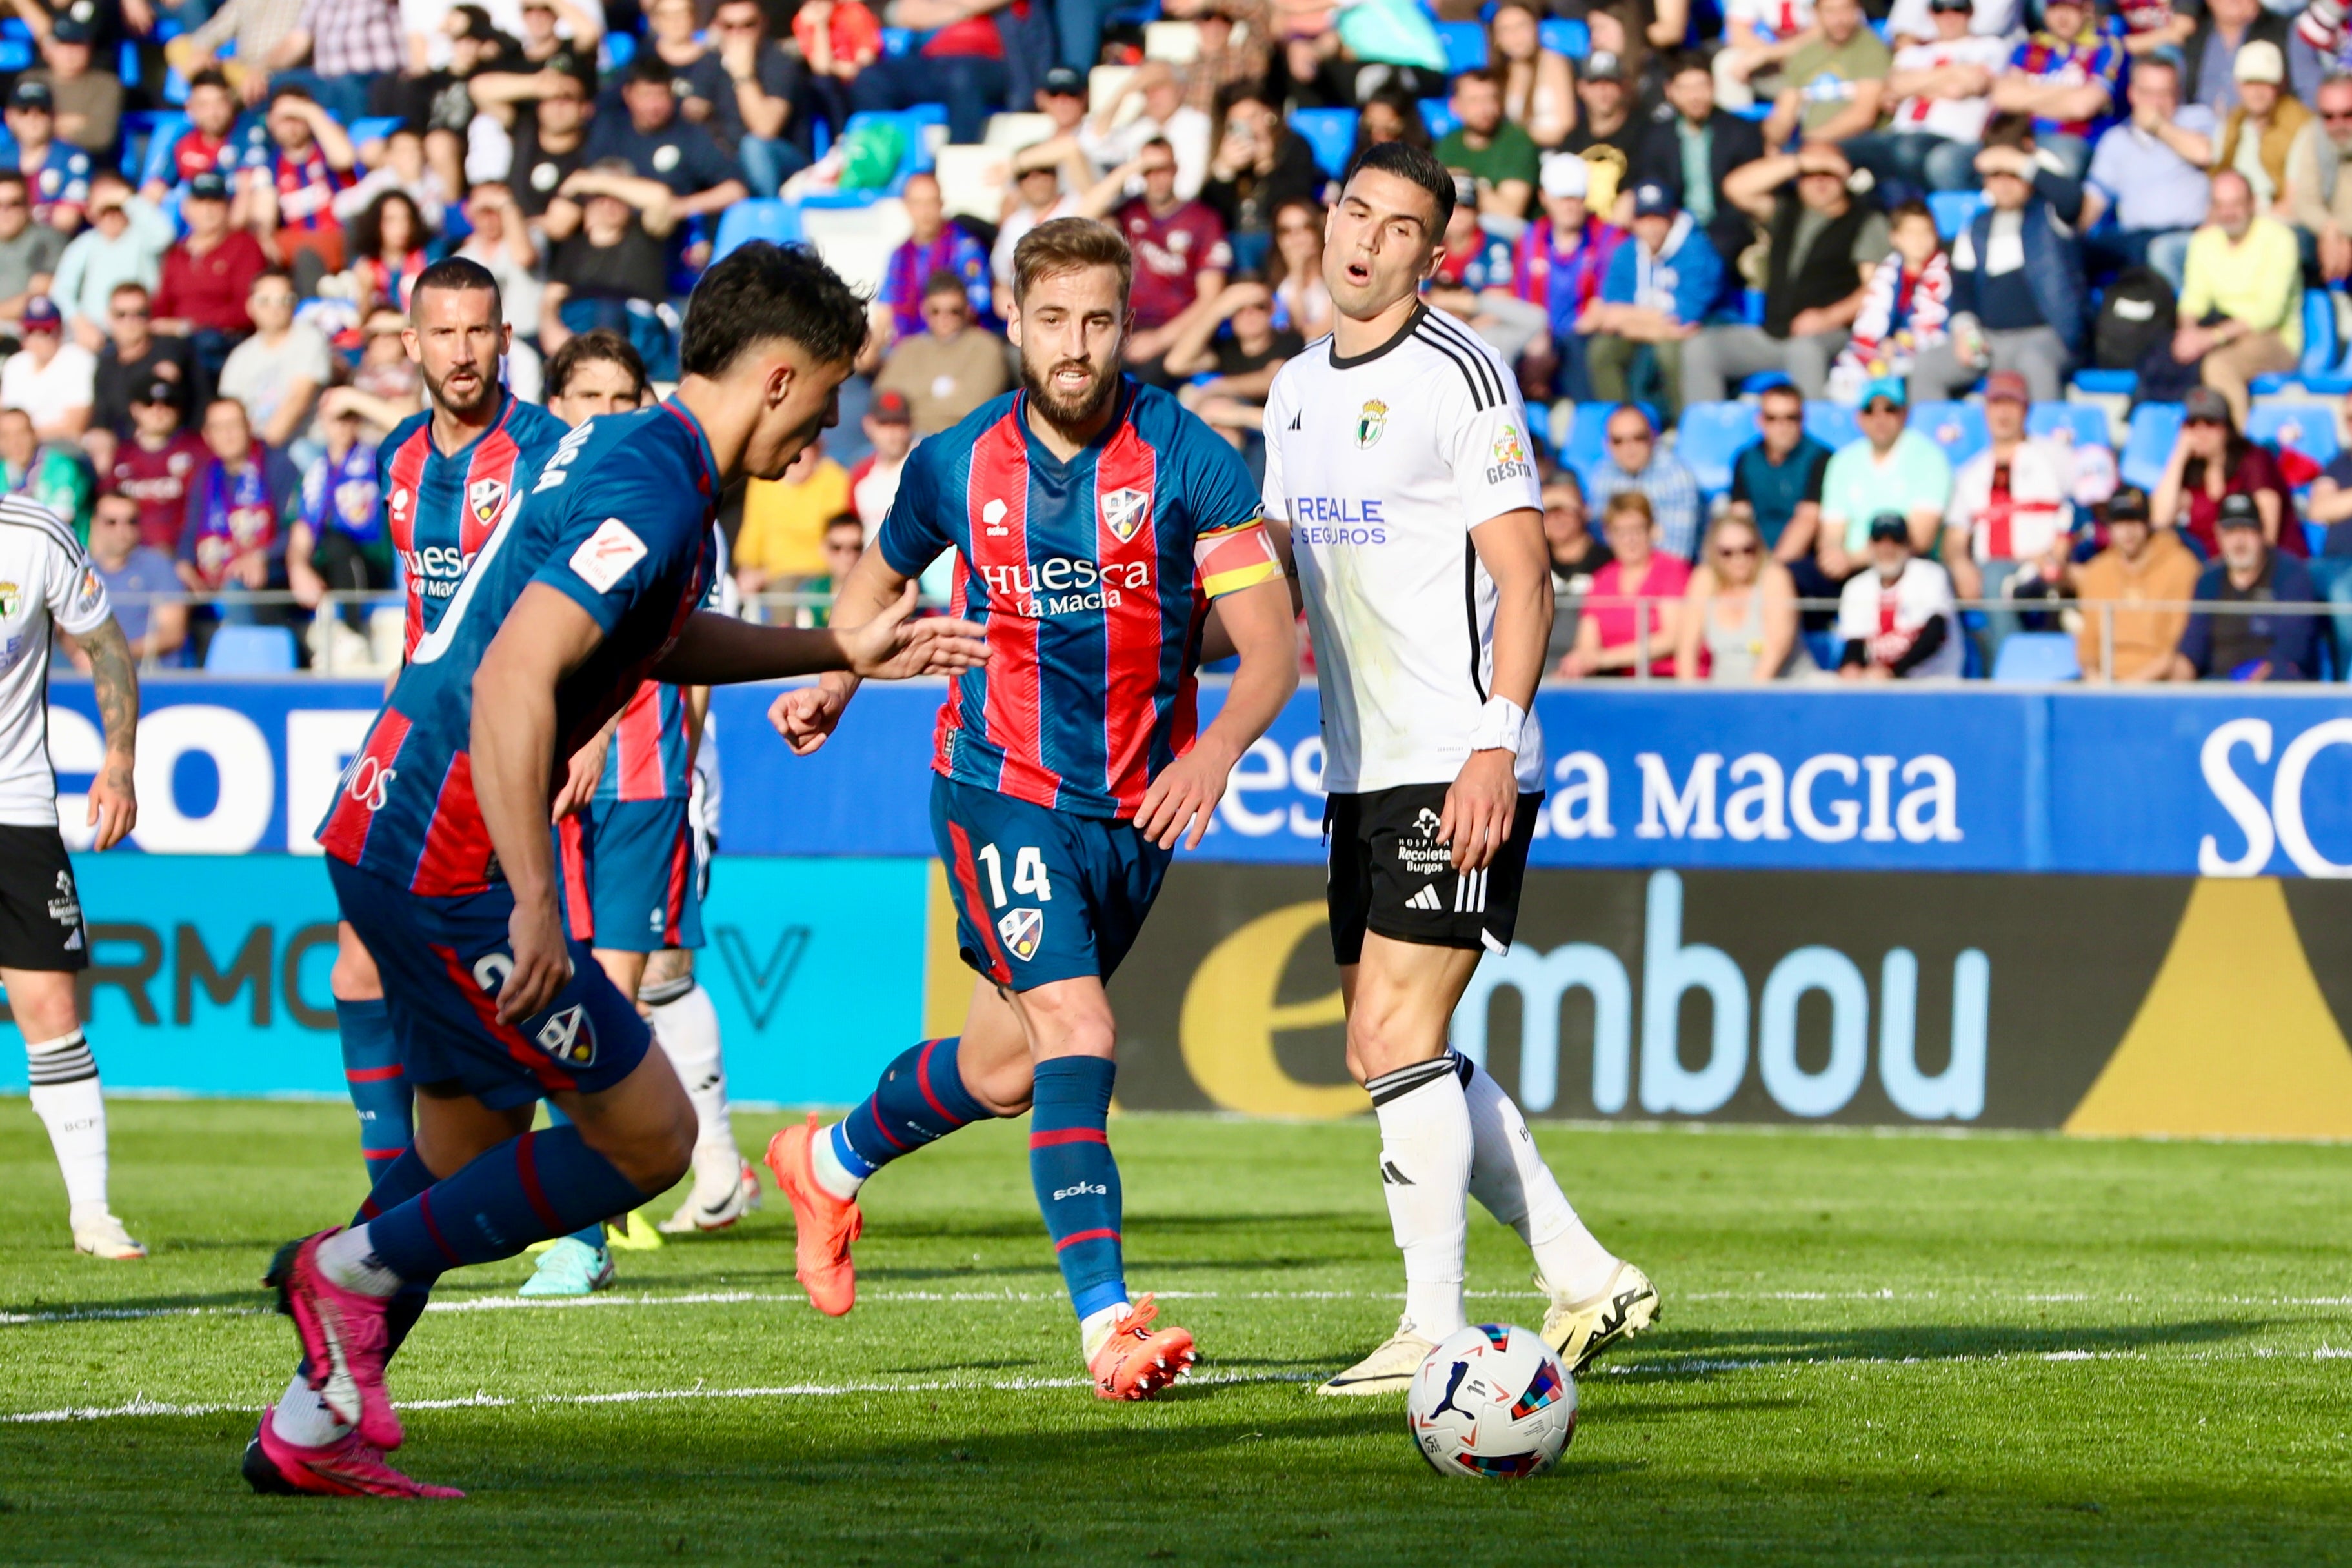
x=302, y=1417
x=1425, y=1157
x=831, y=1175
x=1096, y=1327
x=349, y=1259
x=65, y=1095
x=1508, y=1175
x=688, y=1028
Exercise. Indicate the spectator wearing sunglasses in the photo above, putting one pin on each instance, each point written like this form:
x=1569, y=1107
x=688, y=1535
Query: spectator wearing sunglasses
x=1635, y=463
x=1739, y=618
x=2317, y=194
x=1892, y=468
x=2212, y=462
x=1778, y=477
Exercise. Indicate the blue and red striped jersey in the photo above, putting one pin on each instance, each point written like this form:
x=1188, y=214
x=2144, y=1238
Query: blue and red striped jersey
x=441, y=508
x=618, y=520
x=648, y=756
x=1093, y=578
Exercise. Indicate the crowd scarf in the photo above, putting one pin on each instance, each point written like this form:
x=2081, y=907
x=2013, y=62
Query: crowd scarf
x=237, y=517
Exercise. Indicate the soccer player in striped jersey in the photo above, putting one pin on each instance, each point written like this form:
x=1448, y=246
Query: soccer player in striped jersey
x=1398, y=466
x=1094, y=522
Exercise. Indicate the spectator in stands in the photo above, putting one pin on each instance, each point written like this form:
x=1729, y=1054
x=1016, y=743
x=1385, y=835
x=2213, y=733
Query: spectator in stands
x=1539, y=90
x=1639, y=586
x=2065, y=77
x=2223, y=28
x=57, y=174
x=29, y=251
x=47, y=472
x=88, y=99
x=1050, y=179
x=2149, y=171
x=1906, y=315
x=1607, y=119
x=1694, y=149
x=1635, y=463
x=1739, y=619
x=2318, y=196
x=782, y=536
x=133, y=357
x=1576, y=553
x=290, y=204
x=2018, y=286
x=2011, y=517
x=207, y=277
x=1896, y=616
x=1892, y=469
x=610, y=262
x=140, y=583
x=1560, y=262
x=844, y=542
x=1778, y=477
x=938, y=244
x=2262, y=645
x=1498, y=155
x=1474, y=282
x=1181, y=260
x=257, y=28
x=976, y=51
x=1835, y=79
x=213, y=142
x=559, y=35
x=1165, y=117
x=1389, y=115
x=2141, y=566
x=1759, y=37
x=837, y=39
x=1259, y=165
x=1658, y=290
x=1235, y=47
x=550, y=138
x=232, y=538
x=889, y=426
x=500, y=241
x=950, y=367
x=1239, y=364
x=387, y=250
x=763, y=83
x=1824, y=247
x=2242, y=301
x=337, y=541
x=275, y=374
x=1942, y=91
x=438, y=110
x=385, y=388
x=50, y=378
x=2256, y=135
x=404, y=167
x=124, y=243
x=154, y=464
x=2212, y=462
x=659, y=144
x=1301, y=302
x=349, y=46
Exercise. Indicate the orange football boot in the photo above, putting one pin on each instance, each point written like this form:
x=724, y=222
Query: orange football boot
x=1138, y=1360
x=825, y=1224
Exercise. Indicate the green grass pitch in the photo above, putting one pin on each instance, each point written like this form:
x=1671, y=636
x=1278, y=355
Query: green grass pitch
x=1876, y=1350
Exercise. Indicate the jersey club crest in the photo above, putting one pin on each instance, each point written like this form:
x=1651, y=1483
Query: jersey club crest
x=1022, y=929
x=483, y=499
x=1370, y=420
x=1122, y=512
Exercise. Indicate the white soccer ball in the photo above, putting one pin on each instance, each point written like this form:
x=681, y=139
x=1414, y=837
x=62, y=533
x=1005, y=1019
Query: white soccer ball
x=1492, y=1400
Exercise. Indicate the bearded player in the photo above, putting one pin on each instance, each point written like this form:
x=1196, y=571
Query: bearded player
x=1094, y=520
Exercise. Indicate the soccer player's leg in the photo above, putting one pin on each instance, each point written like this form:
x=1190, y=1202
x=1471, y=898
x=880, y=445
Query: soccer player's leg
x=686, y=1025
x=372, y=1070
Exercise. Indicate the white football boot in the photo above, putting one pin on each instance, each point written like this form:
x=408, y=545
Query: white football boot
x=99, y=1234
x=1389, y=1369
x=1579, y=1330
x=726, y=1188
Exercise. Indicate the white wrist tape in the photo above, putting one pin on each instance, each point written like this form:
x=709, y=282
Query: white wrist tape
x=1500, y=723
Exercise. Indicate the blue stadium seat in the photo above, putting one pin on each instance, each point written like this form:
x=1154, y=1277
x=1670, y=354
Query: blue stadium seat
x=748, y=221
x=1833, y=425
x=897, y=41
x=147, y=137
x=1437, y=115
x=1954, y=209
x=1331, y=132
x=2088, y=422
x=2036, y=659
x=911, y=124
x=620, y=49
x=1957, y=427
x=2319, y=347
x=373, y=129
x=1827, y=648
x=1568, y=35
x=2308, y=427
x=1711, y=436
x=251, y=650
x=2155, y=428
x=1465, y=45
x=2123, y=383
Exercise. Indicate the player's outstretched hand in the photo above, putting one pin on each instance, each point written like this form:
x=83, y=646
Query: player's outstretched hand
x=114, y=804
x=542, y=963
x=805, y=715
x=587, y=771
x=1184, y=795
x=890, y=646
x=1479, y=809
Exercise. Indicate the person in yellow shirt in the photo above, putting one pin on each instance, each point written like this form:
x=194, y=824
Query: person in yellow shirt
x=2242, y=299
x=784, y=520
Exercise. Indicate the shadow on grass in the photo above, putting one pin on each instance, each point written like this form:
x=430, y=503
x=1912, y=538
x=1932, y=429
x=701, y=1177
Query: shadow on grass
x=105, y=1308
x=1669, y=1353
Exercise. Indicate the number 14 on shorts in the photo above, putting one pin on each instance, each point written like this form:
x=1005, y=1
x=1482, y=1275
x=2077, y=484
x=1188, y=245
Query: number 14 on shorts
x=1023, y=928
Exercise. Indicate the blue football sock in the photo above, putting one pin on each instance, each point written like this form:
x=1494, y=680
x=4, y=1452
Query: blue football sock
x=532, y=1188
x=920, y=1100
x=1077, y=1179
x=591, y=1235
x=379, y=1088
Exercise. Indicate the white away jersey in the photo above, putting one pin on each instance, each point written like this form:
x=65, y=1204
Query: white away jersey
x=1887, y=619
x=44, y=577
x=1381, y=465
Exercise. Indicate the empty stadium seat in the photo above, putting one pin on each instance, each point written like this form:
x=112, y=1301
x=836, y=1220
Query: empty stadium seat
x=2319, y=349
x=748, y=221
x=2155, y=426
x=1711, y=436
x=2036, y=659
x=1568, y=35
x=857, y=241
x=1331, y=132
x=1833, y=425
x=897, y=41
x=250, y=650
x=1465, y=45
x=374, y=128
x=1957, y=427
x=1954, y=209
x=1178, y=43
x=2088, y=422
x=2114, y=383
x=1015, y=132
x=1437, y=115
x=2307, y=427
x=973, y=180
x=150, y=134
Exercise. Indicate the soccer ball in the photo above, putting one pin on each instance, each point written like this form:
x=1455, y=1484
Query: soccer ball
x=1491, y=1400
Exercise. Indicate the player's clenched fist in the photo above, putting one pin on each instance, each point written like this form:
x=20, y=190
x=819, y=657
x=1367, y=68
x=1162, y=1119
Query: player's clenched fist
x=892, y=647
x=805, y=715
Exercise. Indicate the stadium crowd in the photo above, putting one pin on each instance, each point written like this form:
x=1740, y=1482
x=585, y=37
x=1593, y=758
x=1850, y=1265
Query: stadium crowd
x=2030, y=303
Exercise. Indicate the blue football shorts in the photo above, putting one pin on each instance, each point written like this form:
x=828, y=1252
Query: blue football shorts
x=631, y=883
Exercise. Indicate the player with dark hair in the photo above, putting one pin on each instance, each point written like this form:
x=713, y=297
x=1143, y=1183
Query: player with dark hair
x=439, y=847
x=1428, y=642
x=1095, y=521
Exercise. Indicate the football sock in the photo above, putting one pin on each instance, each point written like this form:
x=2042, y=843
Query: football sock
x=301, y=1416
x=66, y=1096
x=532, y=1188
x=1077, y=1179
x=591, y=1234
x=379, y=1088
x=1507, y=1174
x=1425, y=1160
x=687, y=1024
x=919, y=1099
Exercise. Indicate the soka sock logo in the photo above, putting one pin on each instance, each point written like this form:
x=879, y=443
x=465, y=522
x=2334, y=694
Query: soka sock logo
x=1081, y=1190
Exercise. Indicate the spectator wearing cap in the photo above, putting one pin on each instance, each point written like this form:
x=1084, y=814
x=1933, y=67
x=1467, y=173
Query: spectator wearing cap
x=1635, y=463
x=978, y=54
x=1658, y=290
x=1500, y=157
x=88, y=101
x=276, y=375
x=50, y=378
x=659, y=144
x=2065, y=77
x=610, y=262
x=2017, y=270
x=1835, y=81
x=2134, y=595
x=133, y=357
x=208, y=275
x=290, y=197
x=1694, y=149
x=214, y=142
x=1778, y=477
x=2149, y=171
x=2210, y=462
x=2258, y=134
x=950, y=367
x=124, y=243
x=2242, y=300
x=1607, y=120
x=1824, y=247
x=889, y=426
x=1892, y=469
x=29, y=251
x=57, y=174
x=1896, y=617
x=339, y=52
x=1182, y=261
x=2318, y=196
x=155, y=463
x=1943, y=94
x=935, y=243
x=140, y=583
x=1560, y=262
x=2224, y=27
x=837, y=39
x=2248, y=644
x=2012, y=515
x=1111, y=140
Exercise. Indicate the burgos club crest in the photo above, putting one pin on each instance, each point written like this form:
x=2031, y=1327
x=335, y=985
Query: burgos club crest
x=1370, y=420
x=1022, y=929
x=12, y=599
x=1122, y=512
x=483, y=497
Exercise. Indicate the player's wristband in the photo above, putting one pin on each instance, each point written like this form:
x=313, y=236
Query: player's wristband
x=1500, y=724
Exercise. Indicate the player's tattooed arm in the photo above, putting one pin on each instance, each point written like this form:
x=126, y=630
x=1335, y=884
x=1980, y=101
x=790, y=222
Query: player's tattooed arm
x=114, y=677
